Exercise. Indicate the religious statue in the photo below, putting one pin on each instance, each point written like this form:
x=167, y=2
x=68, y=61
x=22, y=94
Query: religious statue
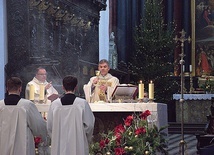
x=113, y=56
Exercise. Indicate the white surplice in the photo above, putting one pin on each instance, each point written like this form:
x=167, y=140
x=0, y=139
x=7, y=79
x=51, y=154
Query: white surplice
x=18, y=126
x=92, y=95
x=70, y=127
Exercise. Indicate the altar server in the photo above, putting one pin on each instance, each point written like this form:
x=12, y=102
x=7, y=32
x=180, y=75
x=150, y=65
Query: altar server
x=101, y=86
x=70, y=122
x=20, y=121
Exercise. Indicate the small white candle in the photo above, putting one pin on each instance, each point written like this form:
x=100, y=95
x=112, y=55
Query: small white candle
x=31, y=92
x=190, y=68
x=151, y=90
x=41, y=92
x=141, y=90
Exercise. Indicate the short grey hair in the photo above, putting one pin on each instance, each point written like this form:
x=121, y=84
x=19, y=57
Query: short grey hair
x=104, y=61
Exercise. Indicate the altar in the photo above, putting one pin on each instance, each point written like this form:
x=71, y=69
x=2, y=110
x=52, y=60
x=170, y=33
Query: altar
x=196, y=107
x=109, y=115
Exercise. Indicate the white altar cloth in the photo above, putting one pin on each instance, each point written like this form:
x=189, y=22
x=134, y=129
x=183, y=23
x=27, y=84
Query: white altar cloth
x=158, y=110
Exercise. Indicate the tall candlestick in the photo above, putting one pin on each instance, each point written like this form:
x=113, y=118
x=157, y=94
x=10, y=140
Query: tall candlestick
x=41, y=92
x=151, y=90
x=141, y=90
x=31, y=92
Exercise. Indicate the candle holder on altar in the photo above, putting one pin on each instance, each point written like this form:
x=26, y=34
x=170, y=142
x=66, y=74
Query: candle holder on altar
x=151, y=100
x=143, y=100
x=140, y=100
x=191, y=89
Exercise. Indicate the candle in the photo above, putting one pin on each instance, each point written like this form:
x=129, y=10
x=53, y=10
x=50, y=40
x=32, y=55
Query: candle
x=151, y=90
x=141, y=90
x=31, y=92
x=190, y=68
x=41, y=92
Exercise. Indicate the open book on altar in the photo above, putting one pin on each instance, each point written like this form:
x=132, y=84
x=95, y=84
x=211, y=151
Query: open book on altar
x=124, y=92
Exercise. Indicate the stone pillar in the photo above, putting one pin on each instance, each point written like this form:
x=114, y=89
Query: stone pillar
x=3, y=46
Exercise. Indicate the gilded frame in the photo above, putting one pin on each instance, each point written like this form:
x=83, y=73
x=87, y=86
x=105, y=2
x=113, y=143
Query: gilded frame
x=202, y=36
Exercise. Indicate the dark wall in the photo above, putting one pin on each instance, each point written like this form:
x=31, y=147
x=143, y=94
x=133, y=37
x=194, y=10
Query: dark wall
x=58, y=35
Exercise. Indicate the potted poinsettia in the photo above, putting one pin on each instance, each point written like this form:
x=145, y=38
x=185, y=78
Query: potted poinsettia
x=136, y=136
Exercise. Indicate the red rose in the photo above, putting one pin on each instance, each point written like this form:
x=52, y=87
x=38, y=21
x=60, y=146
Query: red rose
x=140, y=130
x=145, y=114
x=119, y=129
x=107, y=141
x=102, y=144
x=119, y=151
x=118, y=139
x=128, y=121
x=37, y=140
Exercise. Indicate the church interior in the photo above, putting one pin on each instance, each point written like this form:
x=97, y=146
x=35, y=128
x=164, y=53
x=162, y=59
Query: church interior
x=166, y=42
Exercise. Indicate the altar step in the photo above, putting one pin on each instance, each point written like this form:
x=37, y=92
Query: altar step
x=174, y=144
x=189, y=128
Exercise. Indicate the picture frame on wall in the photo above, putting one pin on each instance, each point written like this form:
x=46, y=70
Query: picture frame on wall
x=202, y=57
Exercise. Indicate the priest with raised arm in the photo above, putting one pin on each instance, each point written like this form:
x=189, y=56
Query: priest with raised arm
x=39, y=90
x=101, y=86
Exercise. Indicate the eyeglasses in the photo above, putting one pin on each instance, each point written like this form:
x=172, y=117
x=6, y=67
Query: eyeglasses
x=42, y=74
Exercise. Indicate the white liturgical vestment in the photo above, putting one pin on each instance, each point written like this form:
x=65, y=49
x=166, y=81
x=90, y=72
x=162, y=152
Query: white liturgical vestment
x=70, y=127
x=18, y=126
x=92, y=93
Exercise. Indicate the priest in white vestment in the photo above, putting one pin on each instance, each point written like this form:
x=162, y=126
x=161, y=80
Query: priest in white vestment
x=70, y=122
x=39, y=90
x=101, y=86
x=20, y=121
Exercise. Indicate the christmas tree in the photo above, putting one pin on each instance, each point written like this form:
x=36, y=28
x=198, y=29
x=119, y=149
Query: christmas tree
x=152, y=58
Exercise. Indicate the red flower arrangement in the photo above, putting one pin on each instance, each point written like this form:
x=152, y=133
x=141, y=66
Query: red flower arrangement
x=37, y=141
x=135, y=136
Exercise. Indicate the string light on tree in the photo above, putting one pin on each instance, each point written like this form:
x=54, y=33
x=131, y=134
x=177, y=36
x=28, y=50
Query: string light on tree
x=153, y=52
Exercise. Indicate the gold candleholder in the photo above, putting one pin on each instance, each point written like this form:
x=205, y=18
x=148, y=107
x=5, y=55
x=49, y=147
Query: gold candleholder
x=151, y=100
x=140, y=100
x=182, y=39
x=191, y=89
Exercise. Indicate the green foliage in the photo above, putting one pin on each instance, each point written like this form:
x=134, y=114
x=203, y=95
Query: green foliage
x=208, y=85
x=153, y=55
